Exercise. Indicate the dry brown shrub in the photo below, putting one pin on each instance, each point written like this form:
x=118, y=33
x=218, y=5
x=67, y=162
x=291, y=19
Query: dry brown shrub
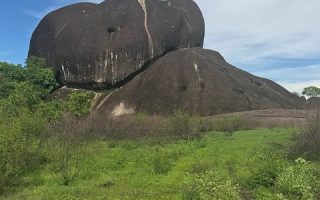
x=306, y=143
x=66, y=141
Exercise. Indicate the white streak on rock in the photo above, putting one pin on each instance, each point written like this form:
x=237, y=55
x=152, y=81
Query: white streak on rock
x=94, y=101
x=150, y=41
x=64, y=72
x=60, y=30
x=122, y=109
x=196, y=69
x=104, y=100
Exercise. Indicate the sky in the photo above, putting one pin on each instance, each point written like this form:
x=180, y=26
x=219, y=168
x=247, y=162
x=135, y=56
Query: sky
x=275, y=39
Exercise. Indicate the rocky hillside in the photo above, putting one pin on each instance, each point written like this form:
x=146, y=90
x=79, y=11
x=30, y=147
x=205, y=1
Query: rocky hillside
x=149, y=53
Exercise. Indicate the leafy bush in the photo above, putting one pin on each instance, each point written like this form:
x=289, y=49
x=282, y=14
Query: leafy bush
x=51, y=110
x=19, y=146
x=5, y=88
x=11, y=72
x=24, y=95
x=161, y=163
x=265, y=176
x=79, y=103
x=21, y=122
x=209, y=185
x=38, y=73
x=271, y=163
x=298, y=181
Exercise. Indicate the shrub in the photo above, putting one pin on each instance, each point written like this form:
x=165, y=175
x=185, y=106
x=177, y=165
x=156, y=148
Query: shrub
x=51, y=110
x=209, y=185
x=178, y=126
x=38, y=73
x=203, y=125
x=19, y=146
x=229, y=124
x=66, y=142
x=182, y=125
x=11, y=72
x=265, y=176
x=268, y=162
x=5, y=88
x=199, y=166
x=298, y=181
x=24, y=96
x=79, y=103
x=307, y=142
x=161, y=162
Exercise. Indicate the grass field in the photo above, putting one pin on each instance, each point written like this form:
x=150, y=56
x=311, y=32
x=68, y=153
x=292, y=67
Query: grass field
x=149, y=169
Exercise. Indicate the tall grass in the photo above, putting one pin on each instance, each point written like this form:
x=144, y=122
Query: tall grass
x=65, y=144
x=307, y=142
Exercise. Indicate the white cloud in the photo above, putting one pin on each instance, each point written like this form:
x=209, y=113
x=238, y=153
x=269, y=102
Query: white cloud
x=298, y=87
x=250, y=32
x=294, y=75
x=294, y=79
x=280, y=27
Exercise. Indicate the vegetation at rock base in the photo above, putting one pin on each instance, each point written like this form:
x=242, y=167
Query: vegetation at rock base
x=56, y=149
x=307, y=141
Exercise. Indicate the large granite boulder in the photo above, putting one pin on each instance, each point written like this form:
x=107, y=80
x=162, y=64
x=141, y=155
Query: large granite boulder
x=197, y=81
x=104, y=44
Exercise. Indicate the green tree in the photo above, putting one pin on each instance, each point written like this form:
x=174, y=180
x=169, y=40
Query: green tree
x=5, y=88
x=19, y=145
x=25, y=95
x=311, y=91
x=11, y=72
x=38, y=73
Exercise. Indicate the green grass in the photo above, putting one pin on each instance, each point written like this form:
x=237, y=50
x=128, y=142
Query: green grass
x=149, y=169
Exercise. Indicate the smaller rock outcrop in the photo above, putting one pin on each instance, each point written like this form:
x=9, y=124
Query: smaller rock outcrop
x=197, y=81
x=313, y=103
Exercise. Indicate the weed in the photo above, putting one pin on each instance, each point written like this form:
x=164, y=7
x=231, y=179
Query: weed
x=209, y=185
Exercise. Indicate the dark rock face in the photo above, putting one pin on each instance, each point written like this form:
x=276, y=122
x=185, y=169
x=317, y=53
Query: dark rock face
x=197, y=81
x=91, y=44
x=313, y=103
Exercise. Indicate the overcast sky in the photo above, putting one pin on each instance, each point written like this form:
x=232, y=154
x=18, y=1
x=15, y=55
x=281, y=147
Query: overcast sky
x=276, y=39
